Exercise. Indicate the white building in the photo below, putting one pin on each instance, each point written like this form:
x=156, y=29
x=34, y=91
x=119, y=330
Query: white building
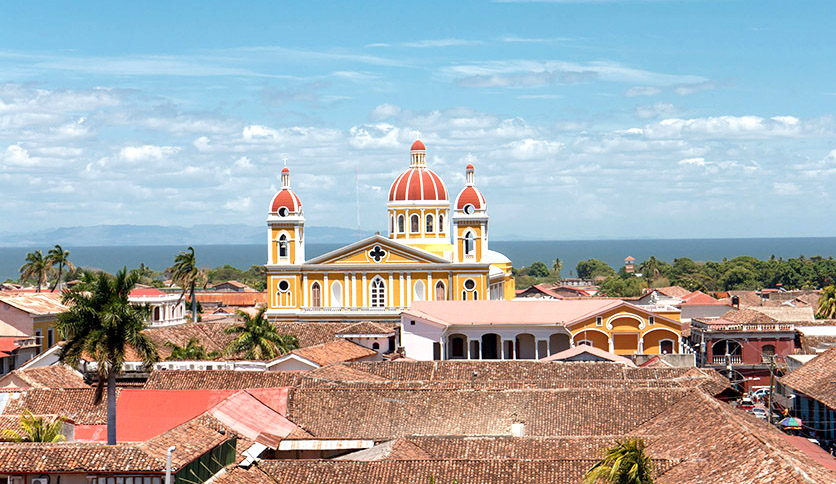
x=166, y=308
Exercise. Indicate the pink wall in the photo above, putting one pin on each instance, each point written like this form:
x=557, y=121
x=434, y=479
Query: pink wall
x=17, y=318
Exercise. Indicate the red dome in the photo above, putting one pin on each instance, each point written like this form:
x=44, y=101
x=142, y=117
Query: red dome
x=418, y=146
x=286, y=198
x=285, y=170
x=469, y=167
x=470, y=195
x=418, y=183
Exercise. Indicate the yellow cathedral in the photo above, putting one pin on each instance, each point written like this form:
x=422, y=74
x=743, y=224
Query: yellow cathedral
x=428, y=255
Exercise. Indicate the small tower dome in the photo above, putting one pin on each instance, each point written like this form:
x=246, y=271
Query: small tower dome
x=470, y=198
x=286, y=202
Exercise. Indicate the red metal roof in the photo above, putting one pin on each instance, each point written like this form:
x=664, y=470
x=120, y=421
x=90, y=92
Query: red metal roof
x=7, y=344
x=418, y=145
x=418, y=183
x=699, y=298
x=470, y=195
x=147, y=291
x=288, y=199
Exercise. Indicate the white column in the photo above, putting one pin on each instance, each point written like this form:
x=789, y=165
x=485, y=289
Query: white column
x=402, y=301
x=354, y=289
x=304, y=290
x=326, y=300
x=429, y=294
x=450, y=298
x=612, y=346
x=365, y=291
x=390, y=289
x=408, y=288
x=346, y=291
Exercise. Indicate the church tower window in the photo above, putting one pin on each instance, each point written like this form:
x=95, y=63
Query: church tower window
x=378, y=293
x=316, y=295
x=418, y=292
x=468, y=243
x=401, y=227
x=283, y=246
x=414, y=224
x=441, y=223
x=429, y=224
x=336, y=294
x=440, y=293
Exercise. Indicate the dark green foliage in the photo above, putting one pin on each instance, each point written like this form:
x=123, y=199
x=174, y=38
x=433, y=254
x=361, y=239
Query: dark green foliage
x=629, y=286
x=624, y=463
x=538, y=269
x=592, y=268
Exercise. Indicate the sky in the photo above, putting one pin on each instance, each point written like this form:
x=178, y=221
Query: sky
x=585, y=119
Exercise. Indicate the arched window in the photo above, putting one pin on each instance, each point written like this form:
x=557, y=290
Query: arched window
x=157, y=313
x=441, y=227
x=283, y=246
x=316, y=295
x=429, y=224
x=378, y=293
x=414, y=224
x=375, y=346
x=468, y=243
x=401, y=228
x=418, y=293
x=666, y=347
x=768, y=350
x=440, y=292
x=391, y=224
x=336, y=294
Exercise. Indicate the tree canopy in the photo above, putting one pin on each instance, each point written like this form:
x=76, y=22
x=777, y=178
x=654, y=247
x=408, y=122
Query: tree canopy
x=592, y=268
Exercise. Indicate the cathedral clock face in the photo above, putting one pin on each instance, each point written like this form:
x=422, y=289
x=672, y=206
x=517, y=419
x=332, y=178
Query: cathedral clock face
x=468, y=209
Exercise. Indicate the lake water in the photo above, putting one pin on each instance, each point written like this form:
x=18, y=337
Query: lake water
x=612, y=252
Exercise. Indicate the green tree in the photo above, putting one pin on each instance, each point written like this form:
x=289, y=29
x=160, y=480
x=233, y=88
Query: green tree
x=193, y=351
x=557, y=266
x=650, y=270
x=621, y=287
x=257, y=338
x=61, y=258
x=36, y=429
x=538, y=269
x=186, y=274
x=624, y=463
x=36, y=267
x=100, y=325
x=827, y=303
x=591, y=268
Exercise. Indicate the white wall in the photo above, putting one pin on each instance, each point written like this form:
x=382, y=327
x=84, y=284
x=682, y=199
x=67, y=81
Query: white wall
x=417, y=339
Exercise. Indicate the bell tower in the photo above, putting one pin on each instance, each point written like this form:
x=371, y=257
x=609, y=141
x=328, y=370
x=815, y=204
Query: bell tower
x=285, y=226
x=470, y=222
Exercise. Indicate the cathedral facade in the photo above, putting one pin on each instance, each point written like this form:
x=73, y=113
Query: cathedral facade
x=433, y=251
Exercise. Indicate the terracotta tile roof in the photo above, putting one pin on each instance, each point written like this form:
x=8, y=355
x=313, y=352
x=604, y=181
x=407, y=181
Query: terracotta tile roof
x=816, y=378
x=38, y=304
x=415, y=471
x=383, y=414
x=192, y=440
x=227, y=298
x=219, y=379
x=699, y=298
x=581, y=349
x=73, y=403
x=334, y=352
x=787, y=313
x=342, y=373
x=236, y=284
x=54, y=376
x=744, y=315
x=673, y=291
x=545, y=289
x=367, y=327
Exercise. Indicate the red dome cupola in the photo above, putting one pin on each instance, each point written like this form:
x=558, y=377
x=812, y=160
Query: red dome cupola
x=286, y=202
x=418, y=183
x=470, y=195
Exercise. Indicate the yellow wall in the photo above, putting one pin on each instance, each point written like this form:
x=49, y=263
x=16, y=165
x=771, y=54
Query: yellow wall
x=43, y=326
x=625, y=332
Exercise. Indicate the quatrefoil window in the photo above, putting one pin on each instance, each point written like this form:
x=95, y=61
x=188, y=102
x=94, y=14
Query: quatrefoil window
x=377, y=254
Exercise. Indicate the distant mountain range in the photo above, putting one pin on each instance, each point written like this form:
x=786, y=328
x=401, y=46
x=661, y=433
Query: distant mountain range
x=132, y=235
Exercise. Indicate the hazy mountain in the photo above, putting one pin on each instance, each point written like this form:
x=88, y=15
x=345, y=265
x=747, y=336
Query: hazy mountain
x=122, y=235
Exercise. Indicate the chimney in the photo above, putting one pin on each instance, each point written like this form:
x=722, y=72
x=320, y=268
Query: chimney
x=517, y=429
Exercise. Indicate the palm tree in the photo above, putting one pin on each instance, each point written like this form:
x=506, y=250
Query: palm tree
x=192, y=351
x=61, y=258
x=187, y=275
x=650, y=270
x=101, y=325
x=258, y=339
x=36, y=429
x=36, y=267
x=557, y=266
x=827, y=303
x=624, y=463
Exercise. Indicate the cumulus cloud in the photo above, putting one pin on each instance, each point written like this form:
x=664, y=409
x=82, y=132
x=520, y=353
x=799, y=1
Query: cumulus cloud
x=657, y=110
x=147, y=153
x=18, y=156
x=727, y=127
x=257, y=133
x=380, y=135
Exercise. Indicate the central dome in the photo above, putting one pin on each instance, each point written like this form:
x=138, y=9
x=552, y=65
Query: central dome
x=418, y=183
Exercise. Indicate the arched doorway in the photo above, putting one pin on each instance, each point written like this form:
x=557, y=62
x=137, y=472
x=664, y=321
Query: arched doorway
x=558, y=342
x=458, y=347
x=526, y=347
x=490, y=346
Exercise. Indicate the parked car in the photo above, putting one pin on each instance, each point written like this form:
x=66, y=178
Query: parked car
x=760, y=394
x=746, y=403
x=759, y=412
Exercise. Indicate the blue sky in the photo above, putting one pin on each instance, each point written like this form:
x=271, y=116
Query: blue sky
x=584, y=118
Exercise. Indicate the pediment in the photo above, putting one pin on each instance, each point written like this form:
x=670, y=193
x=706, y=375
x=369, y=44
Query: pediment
x=377, y=250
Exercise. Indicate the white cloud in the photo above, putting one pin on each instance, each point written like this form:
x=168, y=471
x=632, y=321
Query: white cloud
x=657, y=110
x=691, y=88
x=642, y=91
x=202, y=143
x=527, y=149
x=241, y=204
x=699, y=161
x=18, y=156
x=380, y=135
x=449, y=42
x=258, y=132
x=243, y=163
x=385, y=111
x=147, y=153
x=728, y=127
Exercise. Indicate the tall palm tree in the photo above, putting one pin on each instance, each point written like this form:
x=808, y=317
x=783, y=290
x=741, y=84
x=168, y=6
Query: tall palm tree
x=36, y=429
x=187, y=275
x=36, y=267
x=258, y=339
x=557, y=266
x=61, y=258
x=100, y=325
x=827, y=303
x=192, y=351
x=624, y=463
x=650, y=270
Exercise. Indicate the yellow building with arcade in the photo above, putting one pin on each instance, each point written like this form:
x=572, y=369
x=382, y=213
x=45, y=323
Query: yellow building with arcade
x=433, y=251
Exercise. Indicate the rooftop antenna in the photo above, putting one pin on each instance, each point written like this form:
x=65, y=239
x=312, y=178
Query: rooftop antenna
x=357, y=198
